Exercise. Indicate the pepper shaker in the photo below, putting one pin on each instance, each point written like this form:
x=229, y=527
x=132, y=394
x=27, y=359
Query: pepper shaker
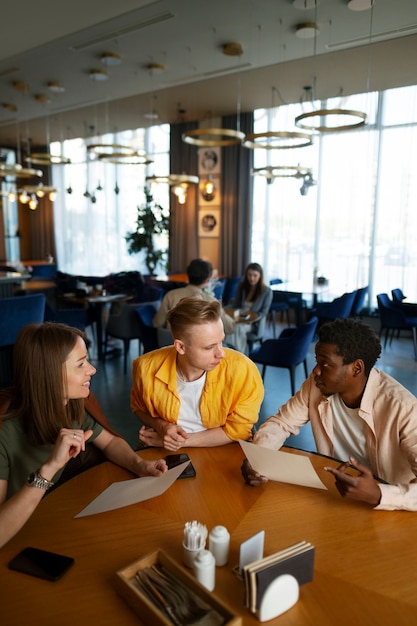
x=219, y=541
x=205, y=569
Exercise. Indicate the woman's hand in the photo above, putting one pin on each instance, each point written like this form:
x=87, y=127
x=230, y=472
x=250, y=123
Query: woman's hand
x=152, y=468
x=69, y=444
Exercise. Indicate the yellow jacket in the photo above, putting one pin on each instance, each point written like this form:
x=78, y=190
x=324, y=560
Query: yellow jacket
x=231, y=397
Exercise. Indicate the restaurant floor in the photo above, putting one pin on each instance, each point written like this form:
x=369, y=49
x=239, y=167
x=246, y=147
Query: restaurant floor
x=112, y=386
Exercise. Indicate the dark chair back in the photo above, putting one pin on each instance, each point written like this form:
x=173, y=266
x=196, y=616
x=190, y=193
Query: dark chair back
x=17, y=312
x=397, y=295
x=148, y=334
x=230, y=288
x=359, y=301
x=219, y=288
x=288, y=351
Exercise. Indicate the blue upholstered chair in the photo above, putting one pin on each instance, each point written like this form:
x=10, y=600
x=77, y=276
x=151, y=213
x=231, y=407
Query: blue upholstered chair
x=395, y=318
x=359, y=302
x=339, y=308
x=148, y=333
x=288, y=351
x=398, y=295
x=279, y=304
x=15, y=313
x=230, y=289
x=125, y=324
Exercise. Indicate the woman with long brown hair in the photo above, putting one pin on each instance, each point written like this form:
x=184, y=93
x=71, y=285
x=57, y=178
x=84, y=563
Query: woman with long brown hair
x=51, y=423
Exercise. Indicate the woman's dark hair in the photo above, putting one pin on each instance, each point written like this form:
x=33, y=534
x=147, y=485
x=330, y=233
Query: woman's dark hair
x=260, y=285
x=353, y=339
x=39, y=380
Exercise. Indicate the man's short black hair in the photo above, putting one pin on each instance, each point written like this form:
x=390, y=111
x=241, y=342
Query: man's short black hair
x=354, y=340
x=199, y=271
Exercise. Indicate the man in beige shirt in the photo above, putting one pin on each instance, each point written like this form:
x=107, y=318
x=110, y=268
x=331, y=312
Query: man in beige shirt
x=199, y=273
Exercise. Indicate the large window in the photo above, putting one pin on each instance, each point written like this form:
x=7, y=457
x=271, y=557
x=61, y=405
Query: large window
x=357, y=225
x=99, y=206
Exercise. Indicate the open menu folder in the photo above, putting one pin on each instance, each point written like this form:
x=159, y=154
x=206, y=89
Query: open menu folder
x=282, y=466
x=131, y=491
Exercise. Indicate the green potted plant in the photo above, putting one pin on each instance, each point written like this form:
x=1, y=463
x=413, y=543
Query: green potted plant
x=151, y=221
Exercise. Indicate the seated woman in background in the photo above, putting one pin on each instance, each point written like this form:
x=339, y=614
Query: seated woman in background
x=51, y=423
x=254, y=295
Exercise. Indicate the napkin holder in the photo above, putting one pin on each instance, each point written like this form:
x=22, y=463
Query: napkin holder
x=280, y=595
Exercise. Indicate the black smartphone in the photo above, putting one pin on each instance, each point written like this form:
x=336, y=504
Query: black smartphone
x=41, y=563
x=176, y=459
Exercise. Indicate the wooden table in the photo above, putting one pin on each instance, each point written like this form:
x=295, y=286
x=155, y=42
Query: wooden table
x=97, y=302
x=8, y=280
x=364, y=567
x=242, y=317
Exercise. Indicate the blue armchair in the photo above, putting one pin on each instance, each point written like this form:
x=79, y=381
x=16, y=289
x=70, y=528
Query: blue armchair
x=288, y=351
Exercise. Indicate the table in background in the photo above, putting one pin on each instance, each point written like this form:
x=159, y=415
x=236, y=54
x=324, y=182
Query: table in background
x=364, y=566
x=8, y=282
x=96, y=302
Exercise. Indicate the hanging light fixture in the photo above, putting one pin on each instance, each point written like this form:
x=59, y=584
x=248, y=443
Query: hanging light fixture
x=218, y=137
x=281, y=171
x=278, y=140
x=33, y=203
x=28, y=192
x=208, y=189
x=335, y=119
x=120, y=158
x=179, y=182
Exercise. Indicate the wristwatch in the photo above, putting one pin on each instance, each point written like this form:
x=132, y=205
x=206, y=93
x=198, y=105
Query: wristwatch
x=37, y=480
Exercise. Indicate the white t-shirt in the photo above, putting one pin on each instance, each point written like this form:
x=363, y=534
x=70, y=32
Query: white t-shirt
x=189, y=417
x=348, y=433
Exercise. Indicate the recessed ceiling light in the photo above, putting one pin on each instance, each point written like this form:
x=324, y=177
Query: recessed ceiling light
x=55, y=87
x=360, y=5
x=98, y=75
x=19, y=85
x=42, y=98
x=232, y=49
x=307, y=30
x=111, y=59
x=156, y=68
x=305, y=4
x=9, y=106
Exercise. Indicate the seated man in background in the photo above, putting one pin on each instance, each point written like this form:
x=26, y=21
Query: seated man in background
x=357, y=413
x=195, y=393
x=199, y=273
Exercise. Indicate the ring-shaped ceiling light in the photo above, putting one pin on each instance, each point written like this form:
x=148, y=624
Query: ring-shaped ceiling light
x=120, y=158
x=282, y=171
x=109, y=148
x=173, y=179
x=44, y=158
x=352, y=119
x=278, y=140
x=18, y=171
x=213, y=137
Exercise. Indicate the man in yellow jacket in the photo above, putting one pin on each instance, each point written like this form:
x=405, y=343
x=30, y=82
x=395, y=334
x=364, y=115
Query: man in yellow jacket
x=195, y=393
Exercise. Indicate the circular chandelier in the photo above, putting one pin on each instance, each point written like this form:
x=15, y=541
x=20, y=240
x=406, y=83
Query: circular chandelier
x=18, y=171
x=213, y=137
x=281, y=171
x=345, y=119
x=109, y=149
x=121, y=158
x=44, y=158
x=278, y=140
x=173, y=179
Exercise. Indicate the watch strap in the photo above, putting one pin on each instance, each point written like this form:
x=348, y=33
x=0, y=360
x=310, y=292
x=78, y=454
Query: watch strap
x=37, y=480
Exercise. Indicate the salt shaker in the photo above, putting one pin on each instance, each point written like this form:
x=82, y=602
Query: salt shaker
x=205, y=569
x=219, y=541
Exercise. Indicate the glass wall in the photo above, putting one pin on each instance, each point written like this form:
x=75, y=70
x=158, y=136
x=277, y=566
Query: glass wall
x=356, y=226
x=99, y=206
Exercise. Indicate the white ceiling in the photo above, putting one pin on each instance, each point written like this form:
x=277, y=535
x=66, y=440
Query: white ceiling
x=62, y=41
